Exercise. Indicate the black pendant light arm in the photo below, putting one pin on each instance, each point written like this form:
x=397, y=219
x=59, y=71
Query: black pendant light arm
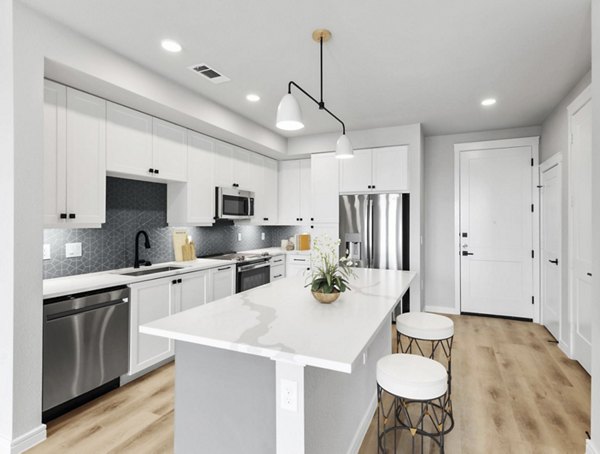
x=321, y=106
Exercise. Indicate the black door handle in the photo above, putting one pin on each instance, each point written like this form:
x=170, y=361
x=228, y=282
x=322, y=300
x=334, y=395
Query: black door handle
x=555, y=261
x=467, y=253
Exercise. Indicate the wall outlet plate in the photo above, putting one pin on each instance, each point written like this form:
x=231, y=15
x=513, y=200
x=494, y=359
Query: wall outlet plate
x=262, y=236
x=289, y=395
x=72, y=250
x=46, y=251
x=239, y=236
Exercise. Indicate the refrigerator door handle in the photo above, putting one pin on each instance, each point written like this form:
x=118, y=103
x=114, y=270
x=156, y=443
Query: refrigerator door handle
x=370, y=234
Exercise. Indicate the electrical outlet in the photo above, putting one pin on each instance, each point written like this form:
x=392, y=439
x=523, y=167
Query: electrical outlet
x=72, y=250
x=364, y=357
x=262, y=236
x=289, y=395
x=46, y=251
x=239, y=237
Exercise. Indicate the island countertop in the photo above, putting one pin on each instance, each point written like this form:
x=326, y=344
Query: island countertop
x=282, y=320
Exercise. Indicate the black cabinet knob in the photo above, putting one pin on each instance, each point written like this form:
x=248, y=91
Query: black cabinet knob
x=312, y=219
x=151, y=170
x=302, y=219
x=63, y=215
x=71, y=215
x=312, y=226
x=174, y=281
x=179, y=281
x=155, y=170
x=373, y=187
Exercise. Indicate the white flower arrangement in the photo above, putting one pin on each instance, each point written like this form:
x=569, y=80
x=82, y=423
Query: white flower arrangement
x=329, y=275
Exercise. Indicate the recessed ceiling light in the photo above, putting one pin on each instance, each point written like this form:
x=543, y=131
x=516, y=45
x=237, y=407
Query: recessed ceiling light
x=252, y=97
x=170, y=45
x=488, y=102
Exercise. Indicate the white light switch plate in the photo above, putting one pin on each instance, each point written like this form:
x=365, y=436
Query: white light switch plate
x=239, y=237
x=46, y=251
x=262, y=236
x=73, y=250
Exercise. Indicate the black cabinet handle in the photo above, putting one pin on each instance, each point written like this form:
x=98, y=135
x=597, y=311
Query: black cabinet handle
x=301, y=219
x=151, y=170
x=312, y=226
x=63, y=215
x=373, y=187
x=155, y=170
x=307, y=269
x=235, y=185
x=223, y=269
x=555, y=261
x=312, y=219
x=179, y=281
x=174, y=281
x=467, y=253
x=265, y=219
x=71, y=215
x=589, y=274
x=277, y=276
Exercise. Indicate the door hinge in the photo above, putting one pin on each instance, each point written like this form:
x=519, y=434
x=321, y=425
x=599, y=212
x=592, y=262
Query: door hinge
x=531, y=162
x=532, y=208
x=532, y=254
x=533, y=300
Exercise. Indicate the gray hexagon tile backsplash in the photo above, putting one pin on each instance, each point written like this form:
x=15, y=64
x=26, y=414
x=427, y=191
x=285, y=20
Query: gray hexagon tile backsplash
x=138, y=205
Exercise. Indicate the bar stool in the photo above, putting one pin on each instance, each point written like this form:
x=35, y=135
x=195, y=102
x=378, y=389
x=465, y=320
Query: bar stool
x=418, y=387
x=431, y=336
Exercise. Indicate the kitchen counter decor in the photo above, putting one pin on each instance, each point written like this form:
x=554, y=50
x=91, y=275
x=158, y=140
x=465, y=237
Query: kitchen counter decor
x=329, y=277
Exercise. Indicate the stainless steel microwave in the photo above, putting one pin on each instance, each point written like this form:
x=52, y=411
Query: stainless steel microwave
x=233, y=203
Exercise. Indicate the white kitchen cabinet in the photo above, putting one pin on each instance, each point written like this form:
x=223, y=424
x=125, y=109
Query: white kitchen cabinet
x=324, y=182
x=375, y=170
x=222, y=282
x=74, y=158
x=193, y=203
x=169, y=150
x=263, y=175
x=192, y=291
x=241, y=169
x=141, y=146
x=277, y=267
x=232, y=167
x=297, y=265
x=294, y=192
x=271, y=192
x=149, y=301
x=128, y=141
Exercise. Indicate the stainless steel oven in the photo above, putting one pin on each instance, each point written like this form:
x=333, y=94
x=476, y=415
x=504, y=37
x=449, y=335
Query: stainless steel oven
x=233, y=203
x=253, y=274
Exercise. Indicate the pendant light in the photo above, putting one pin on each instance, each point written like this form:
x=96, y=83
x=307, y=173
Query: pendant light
x=289, y=115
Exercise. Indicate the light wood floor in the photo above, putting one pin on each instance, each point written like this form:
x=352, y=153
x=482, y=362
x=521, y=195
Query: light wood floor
x=513, y=392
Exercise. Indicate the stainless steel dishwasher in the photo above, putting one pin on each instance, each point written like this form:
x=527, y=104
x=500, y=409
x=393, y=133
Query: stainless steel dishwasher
x=86, y=347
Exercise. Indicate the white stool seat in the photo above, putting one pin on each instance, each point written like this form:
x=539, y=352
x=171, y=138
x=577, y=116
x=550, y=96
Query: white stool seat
x=412, y=376
x=422, y=325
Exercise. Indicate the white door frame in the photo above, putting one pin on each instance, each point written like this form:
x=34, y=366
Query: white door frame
x=532, y=142
x=548, y=164
x=584, y=97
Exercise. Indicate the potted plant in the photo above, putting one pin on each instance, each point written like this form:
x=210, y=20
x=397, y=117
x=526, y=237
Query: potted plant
x=329, y=276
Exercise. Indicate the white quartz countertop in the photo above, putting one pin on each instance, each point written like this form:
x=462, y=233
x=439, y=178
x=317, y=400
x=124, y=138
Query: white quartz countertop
x=282, y=320
x=69, y=285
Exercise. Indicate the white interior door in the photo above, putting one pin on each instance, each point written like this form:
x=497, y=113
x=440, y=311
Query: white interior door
x=580, y=164
x=496, y=226
x=551, y=259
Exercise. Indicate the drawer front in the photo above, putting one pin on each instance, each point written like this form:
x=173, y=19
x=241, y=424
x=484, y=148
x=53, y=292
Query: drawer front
x=298, y=259
x=277, y=272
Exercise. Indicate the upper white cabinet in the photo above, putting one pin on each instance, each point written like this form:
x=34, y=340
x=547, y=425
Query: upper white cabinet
x=375, y=170
x=169, y=150
x=128, y=141
x=294, y=192
x=139, y=145
x=324, y=181
x=74, y=158
x=232, y=167
x=193, y=203
x=263, y=176
x=241, y=169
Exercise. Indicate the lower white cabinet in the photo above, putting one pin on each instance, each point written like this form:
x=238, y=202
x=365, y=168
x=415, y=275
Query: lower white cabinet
x=191, y=290
x=297, y=265
x=277, y=267
x=149, y=301
x=222, y=282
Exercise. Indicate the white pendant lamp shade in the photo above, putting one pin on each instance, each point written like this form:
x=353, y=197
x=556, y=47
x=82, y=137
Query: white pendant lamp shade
x=289, y=115
x=343, y=148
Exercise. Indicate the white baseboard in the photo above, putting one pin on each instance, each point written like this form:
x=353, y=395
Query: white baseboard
x=129, y=378
x=24, y=442
x=364, y=426
x=442, y=310
x=590, y=448
x=565, y=349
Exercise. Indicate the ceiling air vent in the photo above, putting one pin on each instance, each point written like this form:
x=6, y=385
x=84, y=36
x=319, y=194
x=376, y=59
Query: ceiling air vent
x=209, y=73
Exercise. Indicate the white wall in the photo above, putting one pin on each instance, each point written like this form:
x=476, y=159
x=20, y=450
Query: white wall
x=555, y=131
x=439, y=210
x=595, y=444
x=410, y=135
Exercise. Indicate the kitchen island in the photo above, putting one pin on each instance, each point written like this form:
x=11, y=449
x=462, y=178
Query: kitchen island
x=271, y=370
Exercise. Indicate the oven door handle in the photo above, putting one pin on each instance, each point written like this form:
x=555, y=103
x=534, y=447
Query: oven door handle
x=252, y=267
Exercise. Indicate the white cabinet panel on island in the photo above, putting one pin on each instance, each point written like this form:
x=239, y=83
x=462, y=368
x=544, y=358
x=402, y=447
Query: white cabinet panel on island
x=74, y=158
x=222, y=282
x=193, y=203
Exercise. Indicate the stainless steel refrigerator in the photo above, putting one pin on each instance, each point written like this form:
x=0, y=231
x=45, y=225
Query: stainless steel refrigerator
x=374, y=232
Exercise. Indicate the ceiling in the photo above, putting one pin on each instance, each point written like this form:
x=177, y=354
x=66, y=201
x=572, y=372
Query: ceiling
x=389, y=62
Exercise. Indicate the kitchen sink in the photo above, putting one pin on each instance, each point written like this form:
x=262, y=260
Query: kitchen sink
x=152, y=271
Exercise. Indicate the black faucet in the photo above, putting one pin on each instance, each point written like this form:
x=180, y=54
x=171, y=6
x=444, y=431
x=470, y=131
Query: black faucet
x=137, y=262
